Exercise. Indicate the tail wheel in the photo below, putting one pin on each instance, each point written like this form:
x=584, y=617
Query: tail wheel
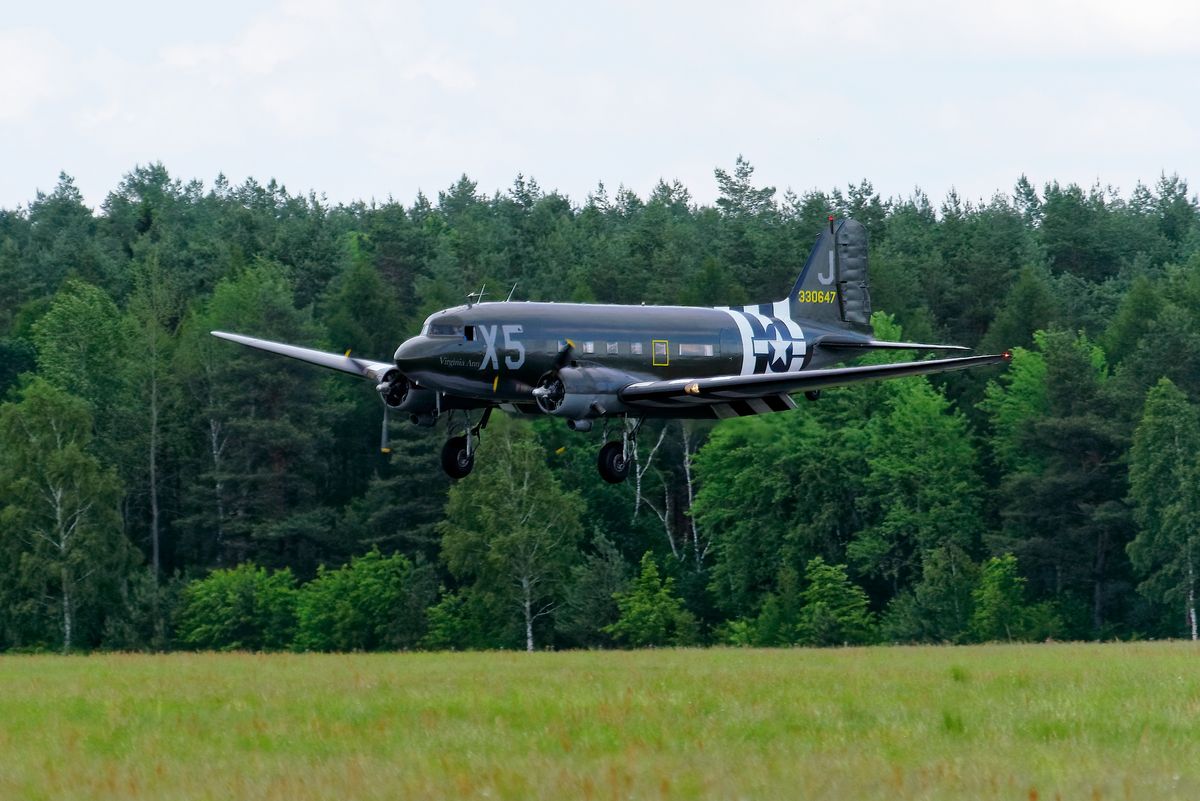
x=457, y=461
x=614, y=467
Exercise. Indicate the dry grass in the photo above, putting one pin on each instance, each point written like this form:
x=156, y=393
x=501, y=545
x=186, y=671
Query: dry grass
x=1003, y=722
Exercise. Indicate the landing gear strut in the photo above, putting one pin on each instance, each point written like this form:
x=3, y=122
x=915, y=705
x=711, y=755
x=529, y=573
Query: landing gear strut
x=458, y=454
x=616, y=456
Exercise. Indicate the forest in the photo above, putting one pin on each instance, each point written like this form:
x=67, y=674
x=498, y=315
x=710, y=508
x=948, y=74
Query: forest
x=161, y=489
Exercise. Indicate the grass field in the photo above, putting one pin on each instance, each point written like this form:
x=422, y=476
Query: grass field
x=1011, y=722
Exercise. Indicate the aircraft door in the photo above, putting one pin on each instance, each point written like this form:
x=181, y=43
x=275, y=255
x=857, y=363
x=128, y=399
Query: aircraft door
x=731, y=351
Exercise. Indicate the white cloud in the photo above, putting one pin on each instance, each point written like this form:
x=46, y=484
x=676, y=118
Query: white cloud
x=30, y=72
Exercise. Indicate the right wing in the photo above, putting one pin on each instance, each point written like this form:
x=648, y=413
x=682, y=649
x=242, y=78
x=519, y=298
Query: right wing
x=729, y=389
x=364, y=368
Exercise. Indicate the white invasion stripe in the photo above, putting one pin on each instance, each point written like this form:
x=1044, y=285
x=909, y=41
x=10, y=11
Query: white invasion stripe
x=759, y=405
x=743, y=326
x=783, y=310
x=724, y=411
x=787, y=400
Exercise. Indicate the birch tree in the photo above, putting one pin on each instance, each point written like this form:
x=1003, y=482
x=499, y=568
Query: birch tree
x=60, y=529
x=152, y=316
x=1164, y=478
x=511, y=532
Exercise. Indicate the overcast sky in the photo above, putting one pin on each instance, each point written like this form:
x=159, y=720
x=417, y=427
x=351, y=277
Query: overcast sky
x=370, y=99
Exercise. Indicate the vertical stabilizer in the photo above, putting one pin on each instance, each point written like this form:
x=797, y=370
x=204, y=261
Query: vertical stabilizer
x=833, y=288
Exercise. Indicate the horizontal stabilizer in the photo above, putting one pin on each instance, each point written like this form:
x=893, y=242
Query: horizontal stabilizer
x=877, y=344
x=365, y=368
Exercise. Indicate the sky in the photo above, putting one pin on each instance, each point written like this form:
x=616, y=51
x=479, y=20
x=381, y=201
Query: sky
x=368, y=99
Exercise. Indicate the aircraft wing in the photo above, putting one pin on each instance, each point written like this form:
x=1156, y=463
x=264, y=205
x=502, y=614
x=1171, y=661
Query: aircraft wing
x=833, y=343
x=770, y=390
x=364, y=368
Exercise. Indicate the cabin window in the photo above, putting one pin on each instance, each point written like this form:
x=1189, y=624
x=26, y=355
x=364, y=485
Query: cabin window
x=445, y=330
x=589, y=347
x=695, y=349
x=635, y=348
x=662, y=353
x=469, y=332
x=612, y=349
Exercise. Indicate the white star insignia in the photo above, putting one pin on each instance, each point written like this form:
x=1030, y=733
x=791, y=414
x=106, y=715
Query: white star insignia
x=778, y=348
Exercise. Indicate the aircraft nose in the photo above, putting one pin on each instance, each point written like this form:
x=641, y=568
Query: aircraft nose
x=411, y=349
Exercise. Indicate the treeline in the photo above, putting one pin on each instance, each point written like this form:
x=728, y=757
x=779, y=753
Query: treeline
x=160, y=488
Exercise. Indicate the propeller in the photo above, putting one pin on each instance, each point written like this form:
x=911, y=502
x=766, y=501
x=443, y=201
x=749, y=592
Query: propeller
x=392, y=391
x=564, y=355
x=384, y=446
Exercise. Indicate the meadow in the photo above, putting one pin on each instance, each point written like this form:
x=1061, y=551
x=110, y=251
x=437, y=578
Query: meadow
x=1044, y=721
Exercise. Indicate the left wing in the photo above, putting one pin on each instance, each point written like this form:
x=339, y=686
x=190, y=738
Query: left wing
x=690, y=392
x=375, y=371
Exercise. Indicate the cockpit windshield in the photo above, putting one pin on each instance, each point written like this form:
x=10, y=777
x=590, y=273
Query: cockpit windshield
x=445, y=330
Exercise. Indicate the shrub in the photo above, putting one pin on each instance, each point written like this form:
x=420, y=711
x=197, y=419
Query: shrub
x=375, y=602
x=835, y=609
x=241, y=609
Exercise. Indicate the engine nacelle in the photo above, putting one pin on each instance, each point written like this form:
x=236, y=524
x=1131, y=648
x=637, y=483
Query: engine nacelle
x=581, y=393
x=400, y=393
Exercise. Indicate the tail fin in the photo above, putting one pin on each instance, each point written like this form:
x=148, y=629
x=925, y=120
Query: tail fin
x=833, y=287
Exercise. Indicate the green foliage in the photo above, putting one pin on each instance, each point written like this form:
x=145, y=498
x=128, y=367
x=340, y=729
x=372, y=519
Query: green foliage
x=63, y=557
x=80, y=350
x=461, y=621
x=511, y=532
x=835, y=609
x=650, y=611
x=245, y=608
x=922, y=490
x=1164, y=484
x=376, y=602
x=209, y=455
x=260, y=461
x=1062, y=492
x=779, y=621
x=589, y=604
x=939, y=607
x=144, y=619
x=1001, y=610
x=1014, y=401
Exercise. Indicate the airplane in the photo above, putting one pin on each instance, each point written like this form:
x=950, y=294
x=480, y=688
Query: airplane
x=586, y=362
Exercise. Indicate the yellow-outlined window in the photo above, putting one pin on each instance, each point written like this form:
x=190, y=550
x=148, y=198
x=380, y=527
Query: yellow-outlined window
x=662, y=352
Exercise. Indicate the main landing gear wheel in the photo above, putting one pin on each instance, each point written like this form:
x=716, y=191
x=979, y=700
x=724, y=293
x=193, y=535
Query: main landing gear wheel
x=614, y=467
x=457, y=460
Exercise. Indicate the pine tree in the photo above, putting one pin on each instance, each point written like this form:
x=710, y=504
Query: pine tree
x=651, y=612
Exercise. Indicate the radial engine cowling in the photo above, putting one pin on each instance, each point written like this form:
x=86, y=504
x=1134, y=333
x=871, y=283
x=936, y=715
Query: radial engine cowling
x=581, y=393
x=400, y=393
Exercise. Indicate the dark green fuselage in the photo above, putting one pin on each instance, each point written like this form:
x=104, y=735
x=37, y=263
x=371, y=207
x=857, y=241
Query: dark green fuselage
x=498, y=352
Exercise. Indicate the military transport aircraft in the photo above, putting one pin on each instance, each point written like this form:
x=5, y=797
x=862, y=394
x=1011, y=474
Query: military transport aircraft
x=588, y=362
